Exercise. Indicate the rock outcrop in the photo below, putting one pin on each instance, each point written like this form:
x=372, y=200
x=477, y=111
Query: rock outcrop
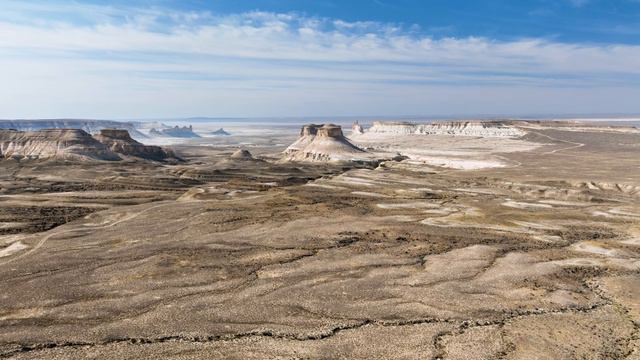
x=64, y=144
x=119, y=141
x=323, y=143
x=455, y=128
x=89, y=126
x=220, y=132
x=307, y=134
x=239, y=159
x=176, y=131
x=241, y=154
x=77, y=145
x=356, y=129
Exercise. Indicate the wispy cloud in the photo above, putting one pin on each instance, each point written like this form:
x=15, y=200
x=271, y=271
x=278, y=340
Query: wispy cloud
x=149, y=62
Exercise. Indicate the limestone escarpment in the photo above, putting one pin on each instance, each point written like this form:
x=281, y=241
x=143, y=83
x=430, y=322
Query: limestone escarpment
x=119, y=141
x=89, y=126
x=76, y=145
x=455, y=128
x=323, y=143
x=67, y=144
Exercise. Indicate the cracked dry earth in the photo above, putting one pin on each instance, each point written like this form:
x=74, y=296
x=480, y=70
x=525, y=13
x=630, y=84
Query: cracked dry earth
x=402, y=261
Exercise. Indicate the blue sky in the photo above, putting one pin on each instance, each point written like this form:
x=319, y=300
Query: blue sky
x=607, y=21
x=163, y=59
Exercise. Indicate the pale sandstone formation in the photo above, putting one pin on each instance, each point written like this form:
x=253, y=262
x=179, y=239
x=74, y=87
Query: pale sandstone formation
x=455, y=128
x=120, y=142
x=67, y=144
x=323, y=143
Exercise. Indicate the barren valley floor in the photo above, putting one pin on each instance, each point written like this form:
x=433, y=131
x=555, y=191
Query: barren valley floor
x=218, y=257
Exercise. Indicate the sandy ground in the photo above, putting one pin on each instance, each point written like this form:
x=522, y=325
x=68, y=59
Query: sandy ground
x=535, y=259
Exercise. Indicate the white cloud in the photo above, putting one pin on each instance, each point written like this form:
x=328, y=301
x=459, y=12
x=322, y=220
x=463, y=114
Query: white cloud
x=142, y=62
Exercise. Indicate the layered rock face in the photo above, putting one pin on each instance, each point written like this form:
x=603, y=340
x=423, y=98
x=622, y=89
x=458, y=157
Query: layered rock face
x=89, y=126
x=455, y=128
x=307, y=134
x=68, y=144
x=77, y=145
x=323, y=143
x=119, y=141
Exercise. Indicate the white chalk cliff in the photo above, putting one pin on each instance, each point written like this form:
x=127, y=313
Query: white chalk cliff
x=67, y=144
x=89, y=126
x=455, y=128
x=77, y=145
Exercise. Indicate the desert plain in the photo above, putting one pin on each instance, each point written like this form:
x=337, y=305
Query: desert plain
x=520, y=244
